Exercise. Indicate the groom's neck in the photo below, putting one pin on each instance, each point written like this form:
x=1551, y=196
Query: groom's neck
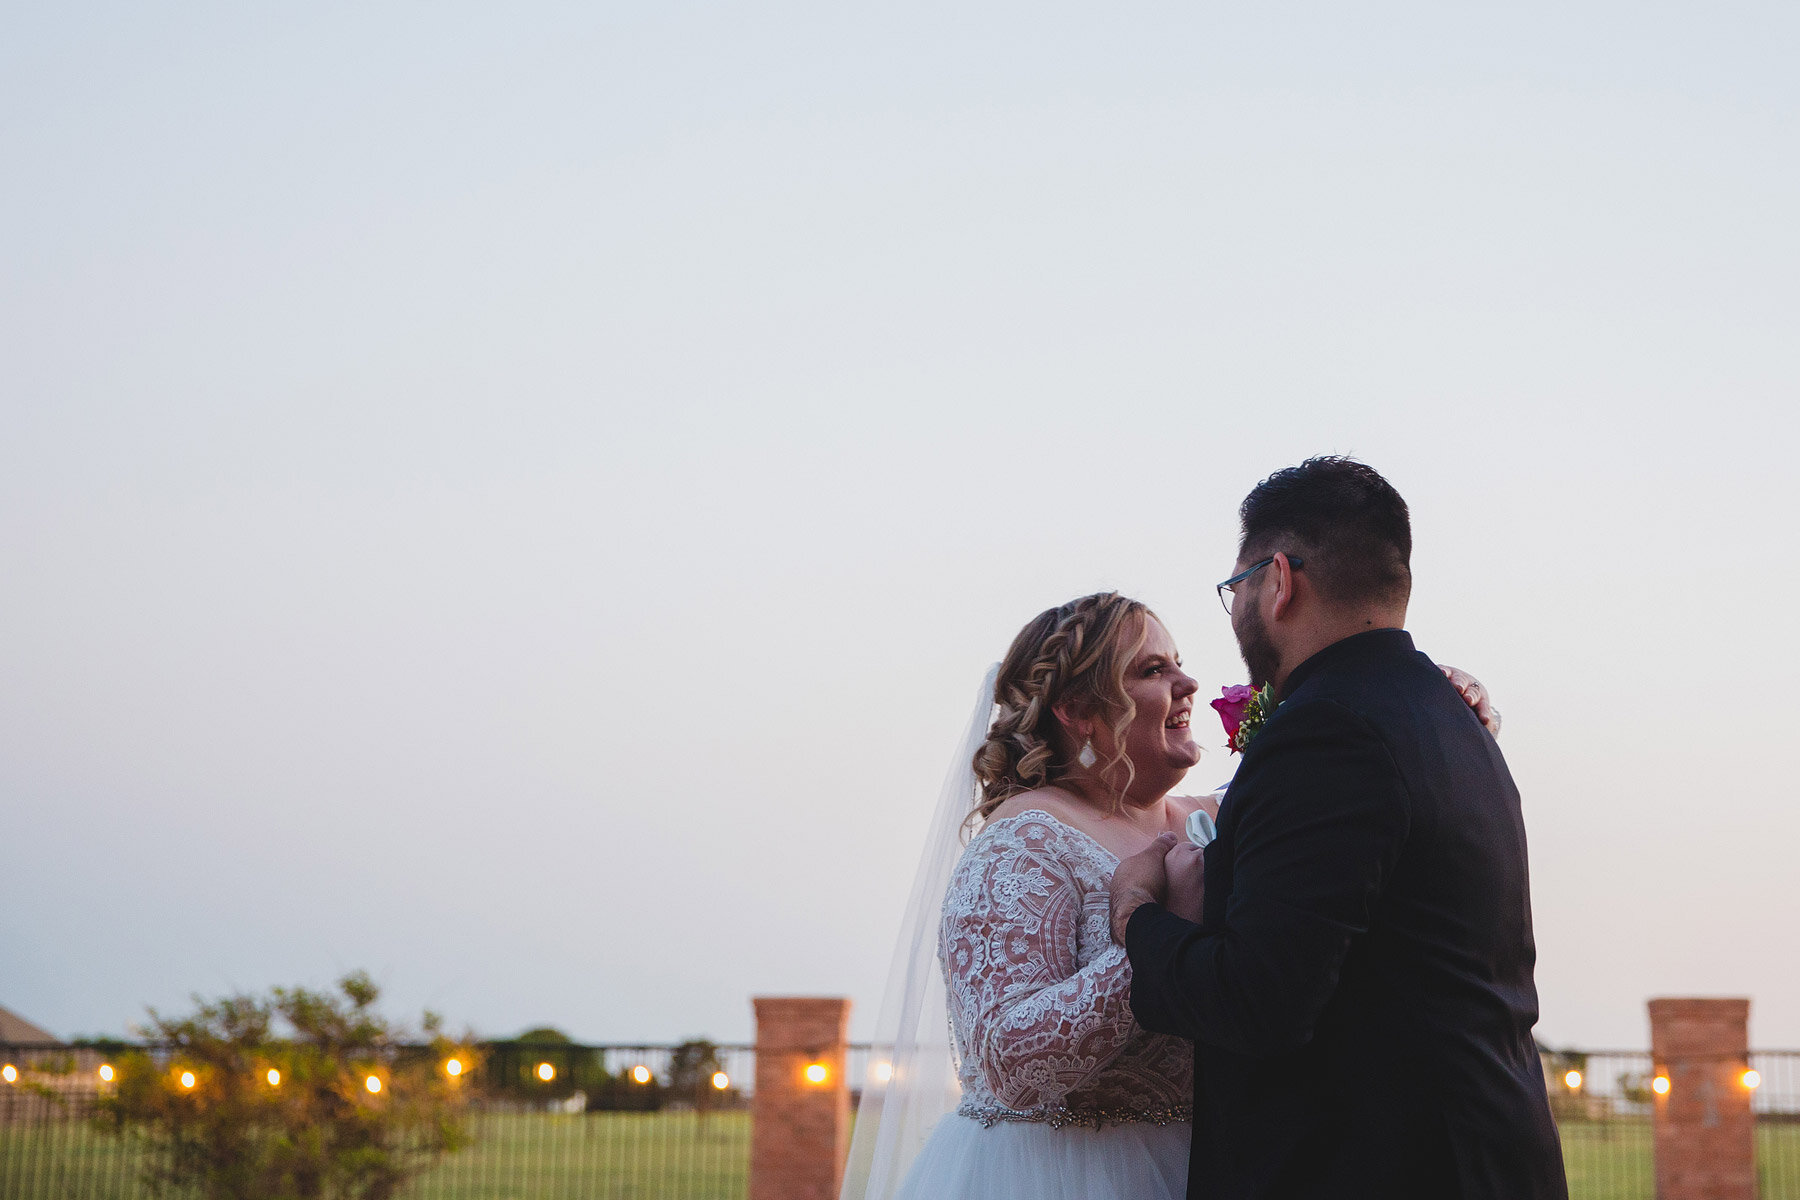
x=1327, y=628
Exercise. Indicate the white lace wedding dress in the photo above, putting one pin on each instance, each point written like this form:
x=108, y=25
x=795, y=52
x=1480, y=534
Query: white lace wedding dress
x=1064, y=1097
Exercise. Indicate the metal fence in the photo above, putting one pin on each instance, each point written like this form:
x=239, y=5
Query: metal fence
x=609, y=1123
x=1777, y=1107
x=637, y=1137
x=1602, y=1103
x=544, y=1120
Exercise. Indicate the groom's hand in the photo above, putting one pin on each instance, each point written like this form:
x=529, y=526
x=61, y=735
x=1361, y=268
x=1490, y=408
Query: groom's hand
x=1186, y=868
x=1139, y=880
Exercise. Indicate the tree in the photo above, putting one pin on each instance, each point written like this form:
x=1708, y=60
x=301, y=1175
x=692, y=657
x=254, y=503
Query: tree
x=1634, y=1089
x=338, y=1105
x=515, y=1068
x=692, y=1066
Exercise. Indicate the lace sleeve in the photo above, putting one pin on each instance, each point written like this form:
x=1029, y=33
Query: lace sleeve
x=1037, y=1021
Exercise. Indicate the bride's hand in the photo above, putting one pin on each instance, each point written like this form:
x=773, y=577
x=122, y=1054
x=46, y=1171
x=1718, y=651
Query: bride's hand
x=1186, y=869
x=1475, y=695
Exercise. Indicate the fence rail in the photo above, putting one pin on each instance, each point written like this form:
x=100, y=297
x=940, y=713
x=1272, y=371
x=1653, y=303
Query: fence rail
x=649, y=1122
x=639, y=1121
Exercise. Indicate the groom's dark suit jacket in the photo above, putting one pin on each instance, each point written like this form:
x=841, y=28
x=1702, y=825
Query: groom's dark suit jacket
x=1359, y=991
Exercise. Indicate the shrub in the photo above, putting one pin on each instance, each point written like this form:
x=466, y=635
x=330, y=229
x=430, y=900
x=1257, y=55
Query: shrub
x=348, y=1112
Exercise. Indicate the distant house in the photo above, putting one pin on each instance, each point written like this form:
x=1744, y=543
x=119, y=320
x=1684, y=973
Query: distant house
x=15, y=1030
x=49, y=1068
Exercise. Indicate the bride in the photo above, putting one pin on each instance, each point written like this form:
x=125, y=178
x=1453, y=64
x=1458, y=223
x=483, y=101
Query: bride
x=1010, y=1065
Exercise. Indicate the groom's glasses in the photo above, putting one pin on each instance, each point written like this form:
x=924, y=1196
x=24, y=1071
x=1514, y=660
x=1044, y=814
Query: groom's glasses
x=1226, y=594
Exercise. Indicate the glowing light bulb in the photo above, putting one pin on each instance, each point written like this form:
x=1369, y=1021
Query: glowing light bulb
x=1573, y=1079
x=9, y=1073
x=884, y=1072
x=816, y=1073
x=641, y=1074
x=106, y=1073
x=274, y=1077
x=453, y=1067
x=1660, y=1085
x=373, y=1084
x=721, y=1080
x=1752, y=1079
x=546, y=1072
x=187, y=1079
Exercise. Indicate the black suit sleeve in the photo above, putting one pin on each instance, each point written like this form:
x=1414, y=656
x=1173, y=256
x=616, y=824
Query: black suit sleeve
x=1321, y=818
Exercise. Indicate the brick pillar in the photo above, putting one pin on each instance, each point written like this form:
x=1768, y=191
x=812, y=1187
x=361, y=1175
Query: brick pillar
x=1705, y=1132
x=800, y=1125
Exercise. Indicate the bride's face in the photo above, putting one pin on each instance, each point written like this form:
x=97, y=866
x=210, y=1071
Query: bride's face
x=1160, y=744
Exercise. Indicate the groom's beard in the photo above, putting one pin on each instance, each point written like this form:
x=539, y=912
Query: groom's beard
x=1260, y=654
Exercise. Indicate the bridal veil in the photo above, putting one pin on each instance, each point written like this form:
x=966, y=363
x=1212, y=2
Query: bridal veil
x=912, y=1077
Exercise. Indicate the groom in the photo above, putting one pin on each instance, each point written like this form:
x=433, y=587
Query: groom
x=1359, y=990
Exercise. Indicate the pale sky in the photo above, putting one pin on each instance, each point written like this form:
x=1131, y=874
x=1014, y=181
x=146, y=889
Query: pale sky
x=516, y=498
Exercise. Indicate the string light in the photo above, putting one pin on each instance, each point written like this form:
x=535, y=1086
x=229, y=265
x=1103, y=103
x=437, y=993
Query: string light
x=1573, y=1079
x=815, y=1073
x=1660, y=1085
x=1752, y=1078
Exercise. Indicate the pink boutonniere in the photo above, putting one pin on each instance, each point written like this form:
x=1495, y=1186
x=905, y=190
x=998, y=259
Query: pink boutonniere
x=1243, y=710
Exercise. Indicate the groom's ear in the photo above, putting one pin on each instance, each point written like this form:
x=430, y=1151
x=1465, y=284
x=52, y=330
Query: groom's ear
x=1283, y=571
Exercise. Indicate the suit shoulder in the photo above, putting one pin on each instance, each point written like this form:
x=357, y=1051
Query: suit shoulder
x=1310, y=713
x=1312, y=733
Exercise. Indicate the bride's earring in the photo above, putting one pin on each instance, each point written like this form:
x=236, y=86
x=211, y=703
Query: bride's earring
x=1087, y=757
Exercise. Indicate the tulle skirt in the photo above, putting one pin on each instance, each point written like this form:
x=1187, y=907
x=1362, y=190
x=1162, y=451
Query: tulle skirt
x=1028, y=1160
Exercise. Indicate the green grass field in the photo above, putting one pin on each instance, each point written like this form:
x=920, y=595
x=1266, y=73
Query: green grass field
x=679, y=1156
x=1615, y=1160
x=606, y=1156
x=593, y=1156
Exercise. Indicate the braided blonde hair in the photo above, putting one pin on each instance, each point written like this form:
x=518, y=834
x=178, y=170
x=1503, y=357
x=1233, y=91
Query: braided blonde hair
x=1076, y=654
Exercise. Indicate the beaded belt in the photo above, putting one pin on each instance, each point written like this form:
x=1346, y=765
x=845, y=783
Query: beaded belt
x=1092, y=1118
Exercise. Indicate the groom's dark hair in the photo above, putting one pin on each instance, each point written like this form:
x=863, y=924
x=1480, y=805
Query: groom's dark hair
x=1346, y=523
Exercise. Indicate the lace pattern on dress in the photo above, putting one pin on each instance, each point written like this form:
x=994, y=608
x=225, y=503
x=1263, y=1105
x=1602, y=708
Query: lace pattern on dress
x=1039, y=994
x=1060, y=1118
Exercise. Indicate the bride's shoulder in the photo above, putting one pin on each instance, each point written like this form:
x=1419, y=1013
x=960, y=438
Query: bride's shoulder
x=1184, y=806
x=1025, y=833
x=1042, y=800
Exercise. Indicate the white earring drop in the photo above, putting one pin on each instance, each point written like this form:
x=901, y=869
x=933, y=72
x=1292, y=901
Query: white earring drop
x=1087, y=757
